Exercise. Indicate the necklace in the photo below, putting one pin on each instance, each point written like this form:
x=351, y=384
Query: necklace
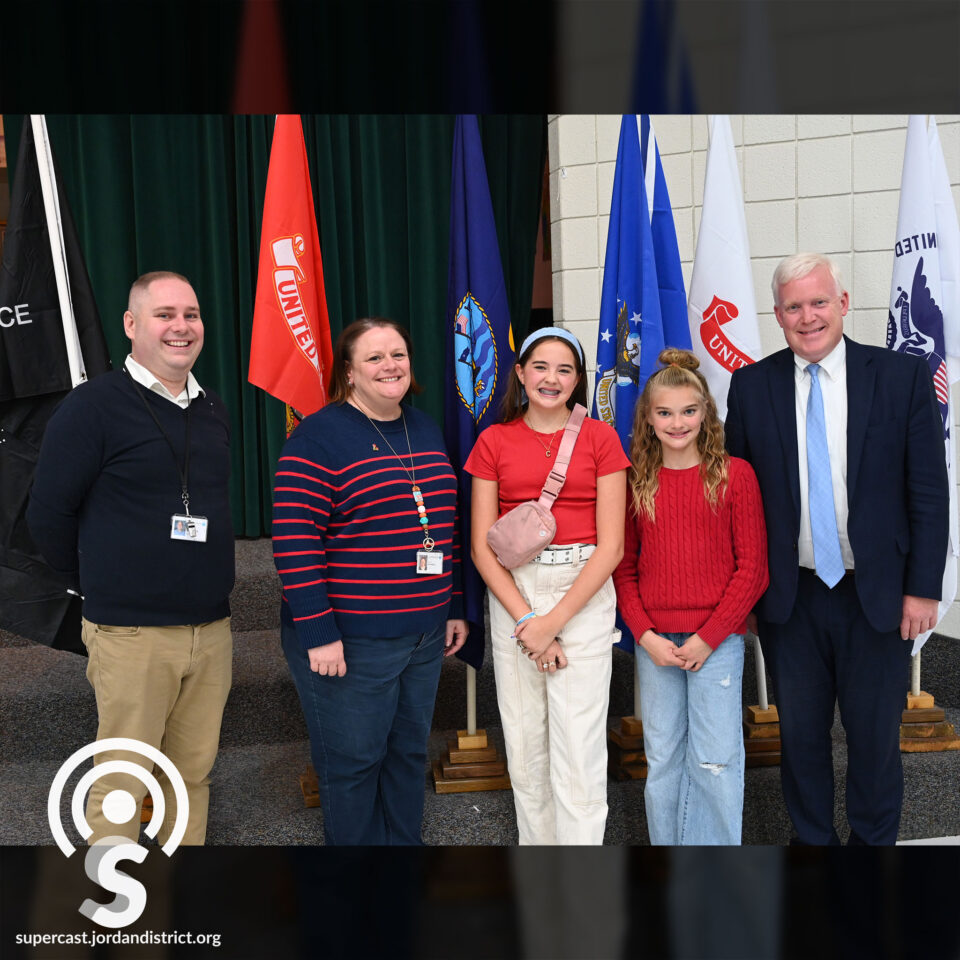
x=547, y=448
x=428, y=542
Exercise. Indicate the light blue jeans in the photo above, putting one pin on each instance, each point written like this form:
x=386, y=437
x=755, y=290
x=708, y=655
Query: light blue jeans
x=693, y=739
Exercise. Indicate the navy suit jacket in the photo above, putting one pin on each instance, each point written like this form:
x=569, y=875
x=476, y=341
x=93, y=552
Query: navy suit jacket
x=897, y=490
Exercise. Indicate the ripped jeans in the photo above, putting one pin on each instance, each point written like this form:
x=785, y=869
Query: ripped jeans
x=693, y=739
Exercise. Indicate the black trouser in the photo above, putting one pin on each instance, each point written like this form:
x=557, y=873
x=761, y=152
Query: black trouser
x=826, y=653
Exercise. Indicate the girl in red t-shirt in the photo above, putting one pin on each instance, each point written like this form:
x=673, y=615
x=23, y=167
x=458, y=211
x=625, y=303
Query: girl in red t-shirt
x=552, y=619
x=694, y=564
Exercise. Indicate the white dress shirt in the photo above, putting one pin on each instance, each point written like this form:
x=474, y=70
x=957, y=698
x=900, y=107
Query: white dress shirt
x=833, y=388
x=145, y=378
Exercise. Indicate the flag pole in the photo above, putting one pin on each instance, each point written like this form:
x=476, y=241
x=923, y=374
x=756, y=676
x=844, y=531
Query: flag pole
x=643, y=308
x=471, y=700
x=291, y=355
x=915, y=674
x=479, y=355
x=51, y=205
x=927, y=205
x=761, y=675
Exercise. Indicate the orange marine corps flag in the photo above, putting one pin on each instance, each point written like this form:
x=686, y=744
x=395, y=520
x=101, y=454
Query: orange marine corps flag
x=290, y=350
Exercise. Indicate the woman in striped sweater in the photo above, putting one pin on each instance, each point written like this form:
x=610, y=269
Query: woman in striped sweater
x=364, y=542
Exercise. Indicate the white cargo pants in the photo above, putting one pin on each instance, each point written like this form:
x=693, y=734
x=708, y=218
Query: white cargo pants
x=555, y=724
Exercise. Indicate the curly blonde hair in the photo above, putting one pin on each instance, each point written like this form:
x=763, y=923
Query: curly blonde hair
x=679, y=369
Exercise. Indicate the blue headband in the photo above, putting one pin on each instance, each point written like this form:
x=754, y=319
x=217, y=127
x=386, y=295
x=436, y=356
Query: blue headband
x=559, y=332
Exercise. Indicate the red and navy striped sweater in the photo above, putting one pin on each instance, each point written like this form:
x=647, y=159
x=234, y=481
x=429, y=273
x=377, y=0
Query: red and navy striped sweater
x=346, y=530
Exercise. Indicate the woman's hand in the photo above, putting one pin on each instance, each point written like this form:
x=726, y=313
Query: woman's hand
x=552, y=659
x=535, y=635
x=457, y=631
x=661, y=651
x=694, y=653
x=328, y=660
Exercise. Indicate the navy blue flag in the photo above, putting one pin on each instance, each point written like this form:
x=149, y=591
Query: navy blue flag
x=479, y=346
x=643, y=305
x=662, y=80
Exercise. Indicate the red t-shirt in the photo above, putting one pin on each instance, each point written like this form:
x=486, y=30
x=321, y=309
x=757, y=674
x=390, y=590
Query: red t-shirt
x=512, y=454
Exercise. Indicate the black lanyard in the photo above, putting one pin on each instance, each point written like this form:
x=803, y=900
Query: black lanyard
x=183, y=472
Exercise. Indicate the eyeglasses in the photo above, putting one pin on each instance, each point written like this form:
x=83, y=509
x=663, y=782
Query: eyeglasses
x=794, y=310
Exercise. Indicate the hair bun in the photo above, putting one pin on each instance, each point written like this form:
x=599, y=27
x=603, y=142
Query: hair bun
x=684, y=359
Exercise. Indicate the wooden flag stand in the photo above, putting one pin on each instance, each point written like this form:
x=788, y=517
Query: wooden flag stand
x=761, y=735
x=625, y=757
x=471, y=763
x=310, y=787
x=923, y=725
x=761, y=722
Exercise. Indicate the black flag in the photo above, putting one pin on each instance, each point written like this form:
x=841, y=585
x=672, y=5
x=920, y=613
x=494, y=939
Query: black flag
x=34, y=378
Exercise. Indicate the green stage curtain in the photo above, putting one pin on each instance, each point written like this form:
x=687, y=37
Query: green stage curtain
x=185, y=193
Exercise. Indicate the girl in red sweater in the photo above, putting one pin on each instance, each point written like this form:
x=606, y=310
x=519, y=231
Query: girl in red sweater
x=694, y=564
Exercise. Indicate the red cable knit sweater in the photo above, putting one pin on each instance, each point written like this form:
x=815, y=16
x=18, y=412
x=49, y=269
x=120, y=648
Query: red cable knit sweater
x=694, y=570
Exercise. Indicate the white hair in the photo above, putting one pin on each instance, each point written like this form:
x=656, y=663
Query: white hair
x=798, y=265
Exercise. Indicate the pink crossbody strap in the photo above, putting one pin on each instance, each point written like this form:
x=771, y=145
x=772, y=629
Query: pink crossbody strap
x=558, y=475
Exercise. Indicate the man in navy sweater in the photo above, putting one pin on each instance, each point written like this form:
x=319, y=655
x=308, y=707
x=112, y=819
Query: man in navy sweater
x=131, y=504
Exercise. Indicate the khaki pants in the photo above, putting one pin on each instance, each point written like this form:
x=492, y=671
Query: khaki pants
x=166, y=686
x=555, y=725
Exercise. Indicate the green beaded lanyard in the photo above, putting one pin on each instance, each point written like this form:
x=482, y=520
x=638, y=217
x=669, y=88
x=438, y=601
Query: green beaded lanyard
x=428, y=541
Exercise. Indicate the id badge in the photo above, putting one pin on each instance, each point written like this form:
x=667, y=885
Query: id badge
x=192, y=529
x=429, y=562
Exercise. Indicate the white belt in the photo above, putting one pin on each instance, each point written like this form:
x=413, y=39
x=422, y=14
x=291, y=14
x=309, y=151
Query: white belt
x=574, y=554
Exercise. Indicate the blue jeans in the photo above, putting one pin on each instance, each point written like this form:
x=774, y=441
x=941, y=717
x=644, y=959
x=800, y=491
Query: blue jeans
x=368, y=733
x=693, y=739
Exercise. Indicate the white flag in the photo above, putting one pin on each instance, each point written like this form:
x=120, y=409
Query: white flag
x=923, y=318
x=722, y=311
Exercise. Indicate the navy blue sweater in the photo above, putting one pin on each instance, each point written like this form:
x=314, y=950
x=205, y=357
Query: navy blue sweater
x=346, y=531
x=105, y=488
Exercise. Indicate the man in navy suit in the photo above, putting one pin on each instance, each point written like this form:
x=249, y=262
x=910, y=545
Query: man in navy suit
x=847, y=444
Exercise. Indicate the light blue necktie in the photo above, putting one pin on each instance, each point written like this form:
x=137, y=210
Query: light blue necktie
x=823, y=517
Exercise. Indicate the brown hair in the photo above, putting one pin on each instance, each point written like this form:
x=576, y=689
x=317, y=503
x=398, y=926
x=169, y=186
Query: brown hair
x=140, y=285
x=340, y=388
x=513, y=403
x=646, y=453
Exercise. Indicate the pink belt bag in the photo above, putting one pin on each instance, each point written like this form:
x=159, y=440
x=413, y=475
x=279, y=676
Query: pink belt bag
x=518, y=536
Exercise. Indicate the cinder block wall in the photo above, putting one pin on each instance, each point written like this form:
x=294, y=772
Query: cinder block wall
x=827, y=183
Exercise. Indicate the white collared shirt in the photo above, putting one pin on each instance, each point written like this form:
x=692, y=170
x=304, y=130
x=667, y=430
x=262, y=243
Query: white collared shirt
x=145, y=378
x=833, y=388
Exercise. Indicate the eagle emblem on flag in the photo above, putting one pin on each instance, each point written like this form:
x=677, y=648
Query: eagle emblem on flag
x=919, y=331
